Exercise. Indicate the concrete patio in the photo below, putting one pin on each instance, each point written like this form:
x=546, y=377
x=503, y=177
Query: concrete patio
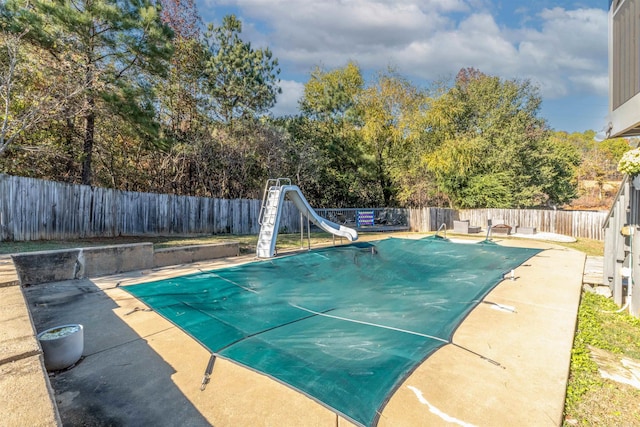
x=139, y=369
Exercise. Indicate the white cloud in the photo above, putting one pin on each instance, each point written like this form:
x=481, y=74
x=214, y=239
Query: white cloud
x=287, y=101
x=571, y=47
x=475, y=42
x=562, y=50
x=597, y=84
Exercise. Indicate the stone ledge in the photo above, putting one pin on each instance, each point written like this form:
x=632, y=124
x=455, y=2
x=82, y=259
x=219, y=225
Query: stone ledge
x=26, y=397
x=8, y=276
x=17, y=338
x=46, y=266
x=104, y=260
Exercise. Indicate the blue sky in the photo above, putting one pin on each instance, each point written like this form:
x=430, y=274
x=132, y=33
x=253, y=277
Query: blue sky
x=561, y=46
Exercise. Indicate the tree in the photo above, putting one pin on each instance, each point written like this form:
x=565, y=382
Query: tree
x=489, y=148
x=241, y=82
x=598, y=164
x=30, y=94
x=392, y=113
x=332, y=94
x=554, y=170
x=182, y=17
x=182, y=111
x=613, y=149
x=112, y=48
x=330, y=124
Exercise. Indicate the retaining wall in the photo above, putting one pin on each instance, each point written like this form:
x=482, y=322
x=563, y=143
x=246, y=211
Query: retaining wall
x=67, y=264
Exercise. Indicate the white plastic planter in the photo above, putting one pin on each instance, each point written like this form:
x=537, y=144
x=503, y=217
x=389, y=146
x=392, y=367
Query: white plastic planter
x=62, y=346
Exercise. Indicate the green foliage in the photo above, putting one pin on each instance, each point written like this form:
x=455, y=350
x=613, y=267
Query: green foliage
x=23, y=103
x=490, y=149
x=487, y=190
x=325, y=159
x=613, y=331
x=241, y=82
x=332, y=94
x=613, y=149
x=109, y=49
x=600, y=326
x=554, y=169
x=182, y=110
x=340, y=174
x=479, y=143
x=584, y=371
x=133, y=119
x=598, y=159
x=391, y=112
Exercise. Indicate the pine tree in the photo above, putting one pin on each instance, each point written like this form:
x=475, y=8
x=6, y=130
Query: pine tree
x=112, y=48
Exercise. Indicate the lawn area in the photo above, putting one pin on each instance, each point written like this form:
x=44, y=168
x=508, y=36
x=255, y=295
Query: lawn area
x=590, y=401
x=247, y=243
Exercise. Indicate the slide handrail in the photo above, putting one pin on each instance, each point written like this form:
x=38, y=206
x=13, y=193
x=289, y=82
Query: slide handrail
x=271, y=182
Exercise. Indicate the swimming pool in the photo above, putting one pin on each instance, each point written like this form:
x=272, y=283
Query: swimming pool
x=343, y=325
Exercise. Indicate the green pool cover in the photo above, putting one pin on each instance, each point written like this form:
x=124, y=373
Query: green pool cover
x=344, y=325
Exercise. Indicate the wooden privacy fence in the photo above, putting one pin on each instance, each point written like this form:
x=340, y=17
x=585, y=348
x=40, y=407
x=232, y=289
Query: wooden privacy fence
x=35, y=209
x=583, y=224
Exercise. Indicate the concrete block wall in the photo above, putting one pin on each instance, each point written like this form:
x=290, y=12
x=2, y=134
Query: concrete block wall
x=68, y=264
x=188, y=254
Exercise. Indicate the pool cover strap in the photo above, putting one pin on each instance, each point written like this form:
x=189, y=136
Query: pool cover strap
x=207, y=372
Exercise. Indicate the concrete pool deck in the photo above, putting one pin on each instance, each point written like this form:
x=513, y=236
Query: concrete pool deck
x=140, y=369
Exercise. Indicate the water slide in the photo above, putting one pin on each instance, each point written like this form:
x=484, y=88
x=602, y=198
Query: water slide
x=270, y=218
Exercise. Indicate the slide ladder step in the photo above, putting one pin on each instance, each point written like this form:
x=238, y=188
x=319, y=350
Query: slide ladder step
x=268, y=217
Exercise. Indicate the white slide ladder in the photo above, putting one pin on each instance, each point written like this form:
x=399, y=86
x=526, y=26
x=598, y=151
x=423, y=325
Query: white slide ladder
x=269, y=218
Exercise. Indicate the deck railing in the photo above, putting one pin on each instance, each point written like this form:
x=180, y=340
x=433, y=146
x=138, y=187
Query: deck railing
x=622, y=248
x=376, y=219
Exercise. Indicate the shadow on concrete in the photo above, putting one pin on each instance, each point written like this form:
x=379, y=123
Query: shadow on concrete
x=120, y=380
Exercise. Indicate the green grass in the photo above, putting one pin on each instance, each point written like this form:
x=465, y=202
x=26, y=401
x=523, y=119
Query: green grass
x=247, y=243
x=592, y=400
x=588, y=246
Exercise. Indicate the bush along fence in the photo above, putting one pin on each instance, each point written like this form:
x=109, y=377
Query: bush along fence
x=35, y=209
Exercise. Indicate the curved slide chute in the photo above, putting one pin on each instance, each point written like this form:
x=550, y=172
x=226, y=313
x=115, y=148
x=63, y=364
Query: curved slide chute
x=270, y=219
